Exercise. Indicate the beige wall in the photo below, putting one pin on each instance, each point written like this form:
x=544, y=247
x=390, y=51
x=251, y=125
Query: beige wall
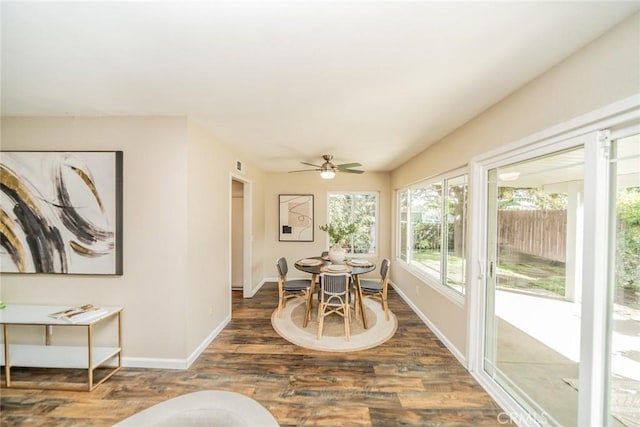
x=605, y=71
x=175, y=289
x=311, y=183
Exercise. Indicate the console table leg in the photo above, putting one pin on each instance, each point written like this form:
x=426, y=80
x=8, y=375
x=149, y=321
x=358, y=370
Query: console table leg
x=7, y=364
x=48, y=331
x=119, y=339
x=90, y=366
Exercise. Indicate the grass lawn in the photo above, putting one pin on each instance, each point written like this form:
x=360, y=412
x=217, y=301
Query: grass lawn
x=431, y=260
x=526, y=272
x=515, y=271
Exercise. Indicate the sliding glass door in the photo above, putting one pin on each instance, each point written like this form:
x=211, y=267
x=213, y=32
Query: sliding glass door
x=623, y=400
x=560, y=340
x=532, y=335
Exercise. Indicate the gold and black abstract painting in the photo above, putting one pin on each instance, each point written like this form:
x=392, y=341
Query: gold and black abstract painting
x=61, y=212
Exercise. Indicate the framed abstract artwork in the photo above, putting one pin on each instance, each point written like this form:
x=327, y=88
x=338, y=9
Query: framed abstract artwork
x=61, y=212
x=296, y=218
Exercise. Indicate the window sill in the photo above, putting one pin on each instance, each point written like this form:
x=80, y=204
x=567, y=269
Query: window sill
x=429, y=280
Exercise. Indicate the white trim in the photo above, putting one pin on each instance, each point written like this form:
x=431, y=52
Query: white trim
x=614, y=114
x=258, y=287
x=156, y=363
x=435, y=282
x=247, y=189
x=442, y=337
x=510, y=407
x=203, y=346
x=476, y=270
x=432, y=178
x=377, y=216
x=593, y=335
x=397, y=219
x=626, y=131
x=453, y=173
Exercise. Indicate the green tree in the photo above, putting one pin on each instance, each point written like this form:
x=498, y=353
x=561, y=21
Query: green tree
x=352, y=221
x=628, y=239
x=516, y=198
x=426, y=210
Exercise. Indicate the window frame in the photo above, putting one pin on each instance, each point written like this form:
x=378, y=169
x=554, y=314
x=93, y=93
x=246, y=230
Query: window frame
x=437, y=281
x=376, y=239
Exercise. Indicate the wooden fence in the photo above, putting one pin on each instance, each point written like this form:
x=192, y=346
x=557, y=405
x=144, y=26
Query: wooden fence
x=541, y=233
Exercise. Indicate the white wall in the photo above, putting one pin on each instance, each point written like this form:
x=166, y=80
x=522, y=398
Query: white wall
x=605, y=71
x=175, y=231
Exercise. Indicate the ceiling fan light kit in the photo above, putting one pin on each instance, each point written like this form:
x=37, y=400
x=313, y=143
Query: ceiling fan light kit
x=327, y=174
x=328, y=169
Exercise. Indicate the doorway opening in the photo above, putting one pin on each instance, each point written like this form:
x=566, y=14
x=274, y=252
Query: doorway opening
x=240, y=231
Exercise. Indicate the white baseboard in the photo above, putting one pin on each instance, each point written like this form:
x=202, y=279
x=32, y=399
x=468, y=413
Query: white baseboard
x=152, y=363
x=145, y=362
x=452, y=348
x=261, y=284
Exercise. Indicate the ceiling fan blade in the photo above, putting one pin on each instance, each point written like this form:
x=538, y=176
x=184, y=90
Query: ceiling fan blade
x=348, y=165
x=305, y=170
x=328, y=166
x=311, y=164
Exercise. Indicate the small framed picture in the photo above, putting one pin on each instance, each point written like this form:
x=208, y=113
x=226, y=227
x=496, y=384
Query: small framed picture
x=295, y=217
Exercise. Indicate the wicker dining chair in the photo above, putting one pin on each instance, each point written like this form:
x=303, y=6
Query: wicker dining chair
x=298, y=288
x=378, y=288
x=334, y=298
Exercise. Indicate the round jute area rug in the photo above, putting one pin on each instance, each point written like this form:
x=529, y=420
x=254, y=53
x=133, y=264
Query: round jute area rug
x=289, y=327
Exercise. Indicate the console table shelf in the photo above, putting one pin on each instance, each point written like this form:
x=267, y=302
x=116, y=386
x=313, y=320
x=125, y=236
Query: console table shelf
x=87, y=357
x=57, y=356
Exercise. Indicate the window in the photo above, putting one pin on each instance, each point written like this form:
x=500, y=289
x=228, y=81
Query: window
x=362, y=210
x=431, y=229
x=403, y=227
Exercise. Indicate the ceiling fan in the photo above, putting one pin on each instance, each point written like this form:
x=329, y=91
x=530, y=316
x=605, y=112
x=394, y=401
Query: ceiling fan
x=328, y=169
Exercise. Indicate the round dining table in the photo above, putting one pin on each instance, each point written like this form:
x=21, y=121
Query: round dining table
x=317, y=265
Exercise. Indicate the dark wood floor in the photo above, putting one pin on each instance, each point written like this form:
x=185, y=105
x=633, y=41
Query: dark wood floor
x=412, y=379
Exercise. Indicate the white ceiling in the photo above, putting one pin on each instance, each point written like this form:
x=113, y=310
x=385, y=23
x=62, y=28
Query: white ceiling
x=284, y=82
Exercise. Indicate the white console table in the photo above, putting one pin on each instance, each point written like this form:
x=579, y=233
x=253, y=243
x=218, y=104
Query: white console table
x=54, y=356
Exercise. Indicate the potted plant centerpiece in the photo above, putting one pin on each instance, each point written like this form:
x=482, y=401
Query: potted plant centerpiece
x=339, y=236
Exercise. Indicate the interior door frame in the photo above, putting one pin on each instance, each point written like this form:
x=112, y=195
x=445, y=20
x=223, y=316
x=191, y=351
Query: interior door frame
x=247, y=237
